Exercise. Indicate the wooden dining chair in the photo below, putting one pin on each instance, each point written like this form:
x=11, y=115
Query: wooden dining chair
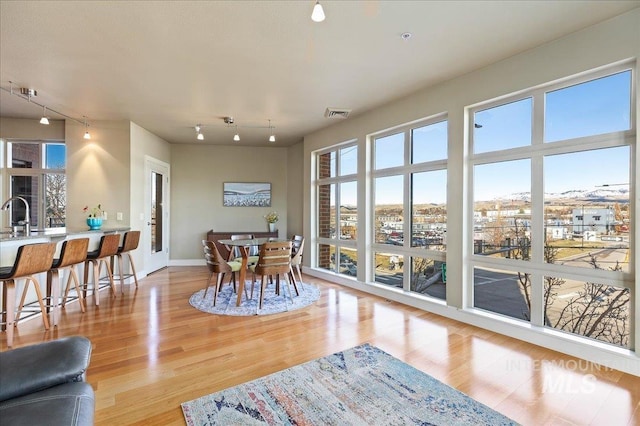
x=218, y=266
x=274, y=260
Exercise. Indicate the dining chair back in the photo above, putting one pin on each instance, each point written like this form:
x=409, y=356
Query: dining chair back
x=274, y=260
x=217, y=265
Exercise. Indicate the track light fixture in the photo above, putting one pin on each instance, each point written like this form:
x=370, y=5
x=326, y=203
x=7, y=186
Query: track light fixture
x=87, y=135
x=28, y=94
x=318, y=13
x=199, y=134
x=272, y=136
x=44, y=119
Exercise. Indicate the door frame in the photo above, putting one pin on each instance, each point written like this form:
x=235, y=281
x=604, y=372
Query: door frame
x=155, y=262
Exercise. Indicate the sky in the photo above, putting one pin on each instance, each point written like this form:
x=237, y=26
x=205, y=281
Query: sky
x=592, y=108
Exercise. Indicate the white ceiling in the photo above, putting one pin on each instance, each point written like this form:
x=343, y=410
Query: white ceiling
x=168, y=65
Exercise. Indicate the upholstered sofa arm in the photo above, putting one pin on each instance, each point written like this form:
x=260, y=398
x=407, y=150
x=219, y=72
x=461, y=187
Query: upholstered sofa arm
x=37, y=367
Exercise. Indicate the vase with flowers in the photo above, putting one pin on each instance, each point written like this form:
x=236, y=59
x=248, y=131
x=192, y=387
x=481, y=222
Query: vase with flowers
x=94, y=220
x=272, y=218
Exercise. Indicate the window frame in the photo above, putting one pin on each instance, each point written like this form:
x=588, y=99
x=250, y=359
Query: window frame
x=539, y=149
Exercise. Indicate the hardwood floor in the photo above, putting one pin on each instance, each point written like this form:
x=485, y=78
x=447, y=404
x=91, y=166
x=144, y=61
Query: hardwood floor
x=152, y=351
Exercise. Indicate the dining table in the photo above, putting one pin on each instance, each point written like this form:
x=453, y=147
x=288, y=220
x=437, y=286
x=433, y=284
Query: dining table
x=244, y=247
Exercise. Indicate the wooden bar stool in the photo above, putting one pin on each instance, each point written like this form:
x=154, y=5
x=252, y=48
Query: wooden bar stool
x=31, y=259
x=129, y=243
x=108, y=247
x=72, y=253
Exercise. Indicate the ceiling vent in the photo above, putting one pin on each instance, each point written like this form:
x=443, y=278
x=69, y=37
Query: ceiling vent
x=336, y=113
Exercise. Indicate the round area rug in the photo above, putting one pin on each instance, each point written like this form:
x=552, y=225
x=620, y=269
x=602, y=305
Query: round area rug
x=272, y=304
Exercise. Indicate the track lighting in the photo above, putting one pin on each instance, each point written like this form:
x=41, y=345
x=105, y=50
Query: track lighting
x=318, y=13
x=199, y=134
x=87, y=135
x=44, y=119
x=272, y=136
x=28, y=94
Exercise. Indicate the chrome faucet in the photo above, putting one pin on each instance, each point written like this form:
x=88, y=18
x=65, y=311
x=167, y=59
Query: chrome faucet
x=26, y=224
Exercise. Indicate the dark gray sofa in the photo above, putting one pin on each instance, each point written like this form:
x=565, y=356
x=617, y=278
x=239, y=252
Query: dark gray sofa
x=43, y=384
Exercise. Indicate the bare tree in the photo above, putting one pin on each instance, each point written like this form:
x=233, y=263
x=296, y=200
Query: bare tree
x=56, y=199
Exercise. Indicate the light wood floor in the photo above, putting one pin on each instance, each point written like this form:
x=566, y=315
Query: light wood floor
x=152, y=351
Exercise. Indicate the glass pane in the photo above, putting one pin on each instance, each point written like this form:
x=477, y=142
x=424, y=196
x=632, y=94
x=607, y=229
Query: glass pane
x=349, y=160
x=587, y=208
x=389, y=269
x=429, y=210
x=156, y=212
x=429, y=277
x=327, y=211
x=348, y=262
x=502, y=292
x=503, y=127
x=388, y=210
x=429, y=143
x=24, y=155
x=502, y=209
x=55, y=156
x=326, y=256
x=55, y=200
x=389, y=151
x=327, y=165
x=348, y=211
x=26, y=187
x=591, y=108
x=594, y=310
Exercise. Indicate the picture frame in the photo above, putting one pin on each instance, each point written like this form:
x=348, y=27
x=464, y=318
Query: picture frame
x=246, y=194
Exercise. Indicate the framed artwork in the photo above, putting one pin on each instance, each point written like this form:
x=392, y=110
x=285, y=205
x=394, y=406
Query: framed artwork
x=246, y=194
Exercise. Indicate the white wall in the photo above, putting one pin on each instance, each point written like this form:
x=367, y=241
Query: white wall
x=197, y=175
x=143, y=143
x=612, y=41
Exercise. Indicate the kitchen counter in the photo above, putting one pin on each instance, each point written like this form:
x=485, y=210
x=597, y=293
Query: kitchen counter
x=55, y=234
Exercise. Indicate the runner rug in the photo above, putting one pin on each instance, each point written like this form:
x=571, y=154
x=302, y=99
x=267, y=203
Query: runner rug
x=359, y=386
x=272, y=304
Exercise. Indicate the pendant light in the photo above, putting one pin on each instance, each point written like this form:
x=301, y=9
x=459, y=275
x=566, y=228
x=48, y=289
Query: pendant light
x=318, y=13
x=199, y=134
x=236, y=137
x=44, y=119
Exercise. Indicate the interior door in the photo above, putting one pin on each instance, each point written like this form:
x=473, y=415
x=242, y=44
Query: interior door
x=156, y=215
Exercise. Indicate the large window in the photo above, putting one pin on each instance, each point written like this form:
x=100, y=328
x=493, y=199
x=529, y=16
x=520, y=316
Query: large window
x=337, y=207
x=35, y=171
x=409, y=214
x=552, y=218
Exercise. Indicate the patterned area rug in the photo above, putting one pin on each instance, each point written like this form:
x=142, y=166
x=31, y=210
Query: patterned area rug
x=272, y=304
x=360, y=386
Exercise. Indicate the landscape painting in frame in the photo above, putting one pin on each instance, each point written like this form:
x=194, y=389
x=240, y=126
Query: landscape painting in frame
x=238, y=194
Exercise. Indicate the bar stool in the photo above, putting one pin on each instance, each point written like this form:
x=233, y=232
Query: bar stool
x=31, y=259
x=72, y=253
x=108, y=247
x=129, y=243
